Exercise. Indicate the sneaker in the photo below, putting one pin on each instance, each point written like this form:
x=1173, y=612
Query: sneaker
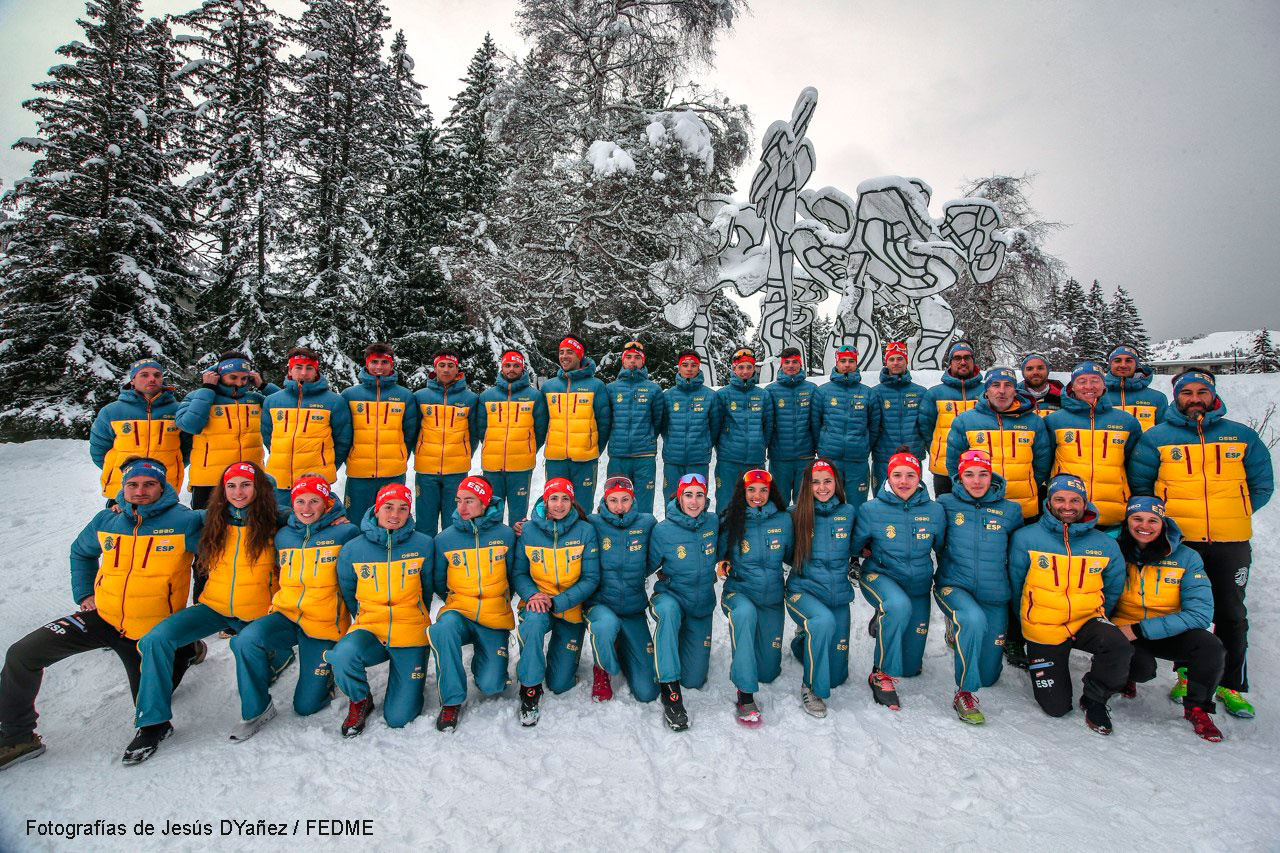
x=601, y=688
x=1203, y=724
x=1179, y=690
x=529, y=699
x=447, y=719
x=201, y=652
x=1130, y=690
x=883, y=690
x=966, y=707
x=748, y=711
x=246, y=729
x=146, y=742
x=1015, y=654
x=1236, y=705
x=812, y=703
x=278, y=666
x=1097, y=716
x=673, y=712
x=357, y=715
x=23, y=750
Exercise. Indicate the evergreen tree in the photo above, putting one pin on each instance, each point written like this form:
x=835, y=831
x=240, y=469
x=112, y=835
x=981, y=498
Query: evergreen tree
x=1090, y=336
x=478, y=169
x=94, y=275
x=1125, y=325
x=1072, y=307
x=1263, y=358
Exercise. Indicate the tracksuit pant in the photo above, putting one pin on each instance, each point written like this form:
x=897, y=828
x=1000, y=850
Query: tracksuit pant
x=681, y=643
x=433, y=501
x=1227, y=564
x=360, y=493
x=513, y=488
x=642, y=471
x=671, y=475
x=253, y=649
x=159, y=648
x=727, y=476
x=448, y=634
x=755, y=634
x=200, y=496
x=788, y=474
x=25, y=662
x=856, y=477
x=941, y=485
x=1050, y=666
x=623, y=645
x=554, y=661
x=359, y=650
x=821, y=643
x=979, y=629
x=902, y=626
x=1200, y=651
x=581, y=474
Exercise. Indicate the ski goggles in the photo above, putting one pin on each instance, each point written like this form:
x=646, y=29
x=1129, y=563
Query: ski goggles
x=691, y=480
x=620, y=485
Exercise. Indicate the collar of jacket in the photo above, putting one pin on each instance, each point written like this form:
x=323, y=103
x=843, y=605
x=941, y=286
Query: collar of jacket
x=633, y=375
x=994, y=494
x=459, y=384
x=676, y=516
x=846, y=378
x=756, y=513
x=886, y=494
x=168, y=499
x=972, y=383
x=827, y=507
x=887, y=378
x=612, y=519
x=129, y=395
x=492, y=518
x=1072, y=404
x=327, y=520
x=1138, y=381
x=1022, y=407
x=379, y=535
x=1049, y=522
x=308, y=388
x=1176, y=416
x=521, y=383
x=583, y=371
x=689, y=385
x=792, y=381
x=743, y=384
x=375, y=383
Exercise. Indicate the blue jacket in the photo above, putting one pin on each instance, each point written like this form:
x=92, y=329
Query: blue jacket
x=793, y=436
x=898, y=401
x=683, y=549
x=825, y=572
x=748, y=422
x=387, y=389
x=903, y=537
x=976, y=555
x=693, y=421
x=756, y=561
x=844, y=419
x=572, y=531
x=1094, y=443
x=1134, y=395
x=638, y=413
x=1006, y=436
x=517, y=435
x=1148, y=596
x=624, y=559
x=378, y=545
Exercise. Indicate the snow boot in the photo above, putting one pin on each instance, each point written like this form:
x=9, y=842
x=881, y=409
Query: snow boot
x=199, y=654
x=812, y=703
x=278, y=666
x=447, y=719
x=357, y=715
x=1130, y=690
x=601, y=688
x=673, y=712
x=1097, y=715
x=146, y=742
x=1015, y=654
x=748, y=711
x=23, y=750
x=966, y=708
x=883, y=690
x=246, y=729
x=1236, y=705
x=1179, y=690
x=529, y=699
x=1203, y=724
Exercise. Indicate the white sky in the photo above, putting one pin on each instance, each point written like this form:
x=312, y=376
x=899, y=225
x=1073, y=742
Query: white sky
x=1152, y=125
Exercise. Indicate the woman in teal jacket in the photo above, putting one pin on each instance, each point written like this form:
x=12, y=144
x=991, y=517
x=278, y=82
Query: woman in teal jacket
x=755, y=541
x=903, y=530
x=819, y=591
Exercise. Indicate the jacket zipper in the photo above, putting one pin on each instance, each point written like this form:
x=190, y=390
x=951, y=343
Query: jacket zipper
x=377, y=432
x=235, y=562
x=302, y=571
x=124, y=592
x=1204, y=476
x=1066, y=543
x=293, y=454
x=479, y=579
x=444, y=430
x=568, y=385
x=391, y=613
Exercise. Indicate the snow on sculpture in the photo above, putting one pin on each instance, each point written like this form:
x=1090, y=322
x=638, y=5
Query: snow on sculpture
x=884, y=245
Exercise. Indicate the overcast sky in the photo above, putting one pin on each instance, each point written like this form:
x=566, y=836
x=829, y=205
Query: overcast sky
x=1153, y=126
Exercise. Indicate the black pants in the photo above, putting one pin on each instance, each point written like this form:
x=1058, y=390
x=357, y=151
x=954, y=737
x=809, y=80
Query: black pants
x=1050, y=666
x=1227, y=565
x=25, y=662
x=1013, y=633
x=1202, y=653
x=200, y=496
x=941, y=485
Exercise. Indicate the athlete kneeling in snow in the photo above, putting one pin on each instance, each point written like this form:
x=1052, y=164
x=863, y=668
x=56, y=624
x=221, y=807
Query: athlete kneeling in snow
x=620, y=635
x=972, y=585
x=683, y=553
x=384, y=575
x=1068, y=576
x=307, y=611
x=129, y=570
x=557, y=567
x=472, y=556
x=819, y=591
x=903, y=530
x=755, y=540
x=1165, y=609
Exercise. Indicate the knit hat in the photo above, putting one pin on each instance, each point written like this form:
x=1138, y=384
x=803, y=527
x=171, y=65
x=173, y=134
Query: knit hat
x=142, y=364
x=1086, y=368
x=572, y=342
x=999, y=374
x=477, y=486
x=557, y=486
x=311, y=485
x=233, y=365
x=1123, y=349
x=1144, y=503
x=895, y=348
x=1194, y=377
x=1067, y=483
x=1033, y=356
x=959, y=348
x=239, y=469
x=974, y=459
x=143, y=468
x=393, y=492
x=619, y=486
x=512, y=357
x=900, y=460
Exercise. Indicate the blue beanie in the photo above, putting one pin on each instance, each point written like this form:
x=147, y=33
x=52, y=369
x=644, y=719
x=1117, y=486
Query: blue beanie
x=142, y=364
x=1085, y=368
x=1193, y=377
x=1032, y=356
x=999, y=374
x=1123, y=349
x=959, y=348
x=1067, y=483
x=1144, y=503
x=143, y=468
x=233, y=365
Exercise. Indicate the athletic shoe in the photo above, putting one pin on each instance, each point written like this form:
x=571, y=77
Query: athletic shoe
x=966, y=707
x=673, y=712
x=357, y=715
x=246, y=729
x=277, y=669
x=1203, y=724
x=601, y=688
x=1130, y=690
x=146, y=742
x=812, y=703
x=23, y=750
x=529, y=699
x=1015, y=654
x=1179, y=691
x=883, y=690
x=748, y=711
x=1097, y=715
x=447, y=719
x=201, y=652
x=1236, y=705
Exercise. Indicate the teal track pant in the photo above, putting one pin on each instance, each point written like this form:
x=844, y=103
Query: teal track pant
x=623, y=645
x=755, y=633
x=450, y=632
x=642, y=471
x=433, y=505
x=359, y=650
x=979, y=633
x=554, y=659
x=360, y=493
x=902, y=626
x=681, y=643
x=581, y=474
x=513, y=488
x=821, y=643
x=253, y=648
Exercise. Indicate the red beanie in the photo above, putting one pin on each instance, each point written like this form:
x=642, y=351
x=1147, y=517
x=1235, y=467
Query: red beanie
x=898, y=460
x=393, y=492
x=974, y=459
x=312, y=485
x=240, y=469
x=574, y=344
x=557, y=486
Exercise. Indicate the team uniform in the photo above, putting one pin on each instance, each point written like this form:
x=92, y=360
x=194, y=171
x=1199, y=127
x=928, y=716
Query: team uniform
x=847, y=424
x=942, y=404
x=683, y=550
x=792, y=445
x=615, y=613
x=1018, y=444
x=1046, y=400
x=384, y=421
x=512, y=418
x=746, y=433
x=579, y=422
x=449, y=430
x=752, y=595
x=1092, y=443
x=638, y=414
x=690, y=431
x=132, y=425
x=224, y=423
x=818, y=594
x=306, y=429
x=897, y=401
x=1134, y=395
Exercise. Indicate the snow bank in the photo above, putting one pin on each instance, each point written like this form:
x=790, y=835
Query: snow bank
x=1212, y=345
x=608, y=159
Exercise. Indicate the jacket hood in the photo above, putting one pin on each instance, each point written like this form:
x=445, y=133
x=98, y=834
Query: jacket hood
x=459, y=384
x=373, y=383
x=1053, y=386
x=1022, y=405
x=1050, y=523
x=792, y=381
x=614, y=520
x=971, y=384
x=744, y=384
x=1168, y=541
x=232, y=392
x=333, y=514
x=1174, y=415
x=308, y=388
x=755, y=513
x=380, y=535
x=1072, y=404
x=168, y=499
x=492, y=518
x=677, y=516
x=1138, y=381
x=827, y=507
x=846, y=378
x=584, y=371
x=886, y=495
x=538, y=518
x=995, y=492
x=128, y=395
x=887, y=378
x=633, y=375
x=689, y=384
x=519, y=384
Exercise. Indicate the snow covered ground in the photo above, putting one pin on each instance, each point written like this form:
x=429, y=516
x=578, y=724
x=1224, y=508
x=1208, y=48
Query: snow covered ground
x=1212, y=345
x=611, y=776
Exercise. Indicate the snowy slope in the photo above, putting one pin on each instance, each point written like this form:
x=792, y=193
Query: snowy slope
x=1212, y=345
x=611, y=776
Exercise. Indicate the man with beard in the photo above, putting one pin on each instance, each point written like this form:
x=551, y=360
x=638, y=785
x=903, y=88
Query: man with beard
x=958, y=392
x=1045, y=393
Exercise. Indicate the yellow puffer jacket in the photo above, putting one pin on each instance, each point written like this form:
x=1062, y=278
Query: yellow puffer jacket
x=225, y=425
x=240, y=586
x=471, y=569
x=942, y=404
x=557, y=558
x=450, y=428
x=134, y=426
x=1093, y=443
x=381, y=574
x=579, y=414
x=1018, y=443
x=384, y=421
x=307, y=430
x=512, y=421
x=309, y=593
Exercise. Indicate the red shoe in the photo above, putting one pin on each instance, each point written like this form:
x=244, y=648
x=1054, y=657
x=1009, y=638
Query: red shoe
x=357, y=715
x=883, y=690
x=1130, y=690
x=1203, y=724
x=601, y=688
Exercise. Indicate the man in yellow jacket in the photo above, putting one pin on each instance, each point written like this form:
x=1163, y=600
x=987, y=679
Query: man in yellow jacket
x=579, y=420
x=384, y=422
x=306, y=428
x=142, y=421
x=447, y=440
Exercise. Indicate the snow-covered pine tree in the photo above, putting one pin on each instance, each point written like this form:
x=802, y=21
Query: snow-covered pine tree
x=1124, y=323
x=1091, y=338
x=94, y=276
x=1263, y=357
x=478, y=168
x=231, y=48
x=1071, y=312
